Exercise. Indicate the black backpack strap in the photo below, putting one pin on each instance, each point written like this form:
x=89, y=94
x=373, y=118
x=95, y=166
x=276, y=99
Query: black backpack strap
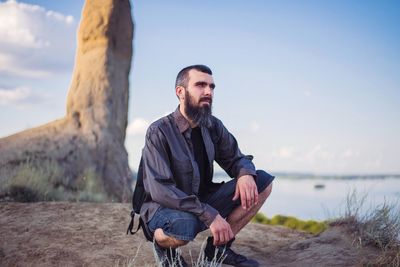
x=139, y=194
x=130, y=227
x=138, y=198
x=147, y=233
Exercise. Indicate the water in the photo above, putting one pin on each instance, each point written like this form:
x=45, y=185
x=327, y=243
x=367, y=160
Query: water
x=300, y=197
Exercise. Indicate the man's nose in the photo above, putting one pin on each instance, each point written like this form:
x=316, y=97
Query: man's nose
x=208, y=90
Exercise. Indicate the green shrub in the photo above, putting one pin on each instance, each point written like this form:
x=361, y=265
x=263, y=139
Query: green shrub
x=278, y=220
x=315, y=227
x=293, y=223
x=261, y=218
x=309, y=226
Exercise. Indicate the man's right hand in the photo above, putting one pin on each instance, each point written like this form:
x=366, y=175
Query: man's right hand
x=221, y=231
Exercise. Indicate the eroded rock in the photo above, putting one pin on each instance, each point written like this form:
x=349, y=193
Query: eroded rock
x=89, y=140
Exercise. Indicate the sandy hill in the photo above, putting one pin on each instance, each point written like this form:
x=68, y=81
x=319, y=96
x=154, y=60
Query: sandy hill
x=89, y=234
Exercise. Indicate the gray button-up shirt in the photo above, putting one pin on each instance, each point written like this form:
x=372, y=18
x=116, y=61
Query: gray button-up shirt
x=170, y=173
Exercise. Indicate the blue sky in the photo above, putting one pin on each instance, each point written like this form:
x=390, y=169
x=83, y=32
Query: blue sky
x=305, y=86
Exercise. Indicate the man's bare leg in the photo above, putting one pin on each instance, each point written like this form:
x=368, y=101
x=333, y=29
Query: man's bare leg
x=240, y=217
x=167, y=241
x=237, y=219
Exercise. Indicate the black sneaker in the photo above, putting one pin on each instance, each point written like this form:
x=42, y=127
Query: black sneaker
x=227, y=254
x=169, y=256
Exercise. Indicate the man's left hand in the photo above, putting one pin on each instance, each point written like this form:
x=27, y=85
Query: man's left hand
x=246, y=189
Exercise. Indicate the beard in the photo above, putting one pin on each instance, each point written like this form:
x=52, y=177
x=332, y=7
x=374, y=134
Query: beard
x=199, y=114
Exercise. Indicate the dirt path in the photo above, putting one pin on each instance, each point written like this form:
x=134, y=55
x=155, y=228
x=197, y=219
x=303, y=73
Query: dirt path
x=89, y=234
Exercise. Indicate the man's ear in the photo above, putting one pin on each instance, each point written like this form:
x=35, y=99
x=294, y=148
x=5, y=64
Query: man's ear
x=180, y=92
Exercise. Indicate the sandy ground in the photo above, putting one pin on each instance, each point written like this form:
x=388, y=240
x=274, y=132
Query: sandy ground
x=89, y=234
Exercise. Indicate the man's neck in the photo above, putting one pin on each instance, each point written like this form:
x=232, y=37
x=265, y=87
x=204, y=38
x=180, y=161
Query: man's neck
x=182, y=110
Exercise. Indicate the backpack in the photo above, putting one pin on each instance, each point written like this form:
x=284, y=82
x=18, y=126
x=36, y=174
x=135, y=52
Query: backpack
x=139, y=196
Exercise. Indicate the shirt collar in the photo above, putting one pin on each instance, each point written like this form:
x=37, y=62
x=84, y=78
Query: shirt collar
x=181, y=121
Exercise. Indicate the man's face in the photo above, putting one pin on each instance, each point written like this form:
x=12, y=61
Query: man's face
x=198, y=97
x=200, y=88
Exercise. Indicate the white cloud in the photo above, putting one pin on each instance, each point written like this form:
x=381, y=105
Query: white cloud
x=254, y=126
x=60, y=17
x=9, y=65
x=349, y=153
x=285, y=152
x=18, y=96
x=137, y=127
x=35, y=41
x=318, y=154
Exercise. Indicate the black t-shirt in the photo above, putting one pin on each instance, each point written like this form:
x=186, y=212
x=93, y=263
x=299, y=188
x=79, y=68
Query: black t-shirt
x=200, y=155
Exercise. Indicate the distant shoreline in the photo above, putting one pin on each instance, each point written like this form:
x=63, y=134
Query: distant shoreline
x=288, y=175
x=337, y=176
x=324, y=176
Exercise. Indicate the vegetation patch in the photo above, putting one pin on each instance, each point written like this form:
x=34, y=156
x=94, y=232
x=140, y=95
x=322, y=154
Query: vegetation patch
x=34, y=180
x=377, y=226
x=90, y=188
x=309, y=226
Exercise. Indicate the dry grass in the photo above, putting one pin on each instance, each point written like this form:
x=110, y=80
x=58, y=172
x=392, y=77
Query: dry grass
x=377, y=226
x=201, y=260
x=34, y=180
x=129, y=262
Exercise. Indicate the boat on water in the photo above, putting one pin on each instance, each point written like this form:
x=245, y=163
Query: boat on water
x=319, y=186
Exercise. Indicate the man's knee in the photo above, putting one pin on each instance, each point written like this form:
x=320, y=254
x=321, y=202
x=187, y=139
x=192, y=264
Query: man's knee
x=168, y=241
x=267, y=191
x=264, y=182
x=177, y=226
x=175, y=242
x=180, y=243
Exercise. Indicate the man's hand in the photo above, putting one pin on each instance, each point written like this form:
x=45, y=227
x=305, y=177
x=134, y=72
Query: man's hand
x=221, y=231
x=246, y=189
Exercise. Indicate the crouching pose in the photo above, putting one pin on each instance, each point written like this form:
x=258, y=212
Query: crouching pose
x=177, y=162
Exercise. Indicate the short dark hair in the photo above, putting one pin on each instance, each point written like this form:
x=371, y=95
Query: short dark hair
x=182, y=78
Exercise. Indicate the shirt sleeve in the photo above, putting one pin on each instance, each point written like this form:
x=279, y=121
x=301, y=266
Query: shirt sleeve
x=229, y=156
x=159, y=180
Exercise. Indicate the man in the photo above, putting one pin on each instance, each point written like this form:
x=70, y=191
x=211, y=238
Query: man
x=178, y=161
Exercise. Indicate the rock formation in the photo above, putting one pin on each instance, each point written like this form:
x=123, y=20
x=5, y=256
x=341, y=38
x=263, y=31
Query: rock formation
x=90, y=138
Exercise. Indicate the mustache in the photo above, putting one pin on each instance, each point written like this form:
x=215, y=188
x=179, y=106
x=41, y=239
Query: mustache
x=206, y=98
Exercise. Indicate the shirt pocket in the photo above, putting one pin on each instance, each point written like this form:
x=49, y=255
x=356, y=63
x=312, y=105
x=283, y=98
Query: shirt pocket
x=182, y=171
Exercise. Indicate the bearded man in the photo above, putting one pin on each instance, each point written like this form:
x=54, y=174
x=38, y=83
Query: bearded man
x=177, y=162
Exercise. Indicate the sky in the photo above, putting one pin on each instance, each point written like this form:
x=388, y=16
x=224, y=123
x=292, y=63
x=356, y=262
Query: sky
x=304, y=86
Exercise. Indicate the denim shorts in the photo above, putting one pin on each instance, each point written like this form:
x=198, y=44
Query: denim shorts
x=185, y=225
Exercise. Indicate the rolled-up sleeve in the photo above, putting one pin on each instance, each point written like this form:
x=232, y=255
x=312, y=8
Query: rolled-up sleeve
x=229, y=156
x=160, y=183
